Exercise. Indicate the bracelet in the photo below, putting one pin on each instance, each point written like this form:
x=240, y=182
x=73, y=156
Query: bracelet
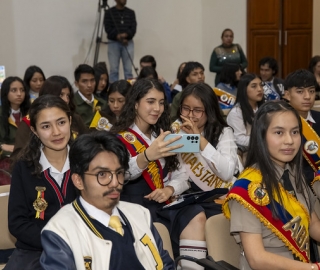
x=317, y=264
x=146, y=156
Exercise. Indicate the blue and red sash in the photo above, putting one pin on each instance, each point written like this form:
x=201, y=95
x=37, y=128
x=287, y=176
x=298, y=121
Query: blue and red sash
x=292, y=228
x=153, y=174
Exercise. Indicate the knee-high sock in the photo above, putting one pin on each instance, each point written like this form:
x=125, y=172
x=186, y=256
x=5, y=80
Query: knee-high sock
x=193, y=248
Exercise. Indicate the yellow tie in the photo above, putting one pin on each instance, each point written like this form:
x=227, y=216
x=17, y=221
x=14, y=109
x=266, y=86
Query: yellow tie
x=116, y=224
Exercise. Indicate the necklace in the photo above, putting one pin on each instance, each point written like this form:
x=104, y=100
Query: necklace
x=122, y=18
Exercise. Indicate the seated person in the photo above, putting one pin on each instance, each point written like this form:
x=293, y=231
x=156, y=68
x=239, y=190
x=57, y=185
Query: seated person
x=272, y=86
x=97, y=231
x=86, y=103
x=15, y=105
x=150, y=61
x=249, y=99
x=57, y=86
x=34, y=79
x=229, y=78
x=193, y=72
x=175, y=86
x=116, y=97
x=102, y=80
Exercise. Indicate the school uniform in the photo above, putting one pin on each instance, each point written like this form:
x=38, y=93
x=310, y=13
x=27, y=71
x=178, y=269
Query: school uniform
x=25, y=222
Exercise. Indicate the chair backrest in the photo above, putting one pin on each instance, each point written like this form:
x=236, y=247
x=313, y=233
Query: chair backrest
x=7, y=241
x=221, y=245
x=165, y=236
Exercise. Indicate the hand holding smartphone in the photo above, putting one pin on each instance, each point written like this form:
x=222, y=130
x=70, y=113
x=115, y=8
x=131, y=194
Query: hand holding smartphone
x=191, y=143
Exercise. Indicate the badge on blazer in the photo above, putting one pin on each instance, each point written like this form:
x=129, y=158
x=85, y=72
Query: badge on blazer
x=258, y=194
x=311, y=147
x=87, y=262
x=102, y=123
x=97, y=108
x=40, y=204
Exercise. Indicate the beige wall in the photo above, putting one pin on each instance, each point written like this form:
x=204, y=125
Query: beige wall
x=56, y=35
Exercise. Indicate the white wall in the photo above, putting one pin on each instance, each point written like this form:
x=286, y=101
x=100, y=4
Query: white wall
x=56, y=35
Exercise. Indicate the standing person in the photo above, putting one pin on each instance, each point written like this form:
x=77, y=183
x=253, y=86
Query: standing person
x=120, y=25
x=273, y=87
x=217, y=162
x=86, y=103
x=193, y=72
x=227, y=52
x=155, y=171
x=15, y=105
x=99, y=166
x=249, y=98
x=41, y=182
x=34, y=79
x=270, y=206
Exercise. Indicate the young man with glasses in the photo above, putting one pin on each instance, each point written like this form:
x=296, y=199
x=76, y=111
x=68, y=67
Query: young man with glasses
x=97, y=231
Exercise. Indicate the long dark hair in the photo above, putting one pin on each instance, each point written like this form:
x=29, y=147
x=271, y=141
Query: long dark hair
x=122, y=87
x=215, y=122
x=31, y=153
x=30, y=71
x=313, y=62
x=242, y=98
x=6, y=106
x=100, y=69
x=228, y=74
x=53, y=86
x=258, y=153
x=128, y=115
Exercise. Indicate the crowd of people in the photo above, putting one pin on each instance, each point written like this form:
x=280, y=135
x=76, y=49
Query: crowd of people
x=92, y=170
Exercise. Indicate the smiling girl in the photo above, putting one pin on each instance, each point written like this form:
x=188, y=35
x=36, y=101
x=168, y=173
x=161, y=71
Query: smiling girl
x=271, y=208
x=156, y=174
x=41, y=182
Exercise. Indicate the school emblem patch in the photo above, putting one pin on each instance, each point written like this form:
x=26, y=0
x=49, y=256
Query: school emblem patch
x=102, y=123
x=258, y=194
x=311, y=147
x=129, y=137
x=175, y=127
x=87, y=262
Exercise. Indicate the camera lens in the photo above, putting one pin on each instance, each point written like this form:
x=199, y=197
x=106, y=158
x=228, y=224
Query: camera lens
x=196, y=138
x=188, y=138
x=192, y=138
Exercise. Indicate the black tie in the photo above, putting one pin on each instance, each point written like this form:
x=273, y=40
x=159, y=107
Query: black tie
x=287, y=183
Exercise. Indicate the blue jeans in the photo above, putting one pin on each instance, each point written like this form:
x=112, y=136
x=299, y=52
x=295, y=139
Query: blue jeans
x=116, y=51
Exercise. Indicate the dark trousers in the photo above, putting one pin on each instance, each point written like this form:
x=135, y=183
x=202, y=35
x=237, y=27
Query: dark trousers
x=24, y=259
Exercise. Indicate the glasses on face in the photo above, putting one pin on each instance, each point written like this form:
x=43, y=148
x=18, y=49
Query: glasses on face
x=104, y=178
x=185, y=111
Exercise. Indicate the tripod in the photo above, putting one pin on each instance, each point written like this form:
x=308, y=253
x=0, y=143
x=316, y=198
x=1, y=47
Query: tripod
x=102, y=5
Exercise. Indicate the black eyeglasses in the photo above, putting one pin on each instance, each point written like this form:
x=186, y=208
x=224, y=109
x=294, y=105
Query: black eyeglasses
x=104, y=178
x=185, y=111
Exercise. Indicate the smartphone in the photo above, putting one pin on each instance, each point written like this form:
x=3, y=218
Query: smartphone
x=191, y=143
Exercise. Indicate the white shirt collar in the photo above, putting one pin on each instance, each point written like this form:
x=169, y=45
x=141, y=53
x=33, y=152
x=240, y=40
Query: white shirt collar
x=98, y=214
x=46, y=164
x=136, y=129
x=85, y=99
x=15, y=111
x=310, y=118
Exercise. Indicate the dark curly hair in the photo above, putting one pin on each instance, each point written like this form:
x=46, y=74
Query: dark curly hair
x=128, y=115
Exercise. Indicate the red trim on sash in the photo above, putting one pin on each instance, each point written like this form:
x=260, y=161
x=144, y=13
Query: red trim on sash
x=26, y=119
x=65, y=183
x=265, y=211
x=133, y=153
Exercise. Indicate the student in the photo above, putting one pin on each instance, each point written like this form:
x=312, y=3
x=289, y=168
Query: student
x=175, y=86
x=155, y=172
x=240, y=118
x=102, y=80
x=86, y=103
x=272, y=85
x=15, y=105
x=41, y=182
x=116, y=98
x=229, y=78
x=300, y=88
x=99, y=164
x=58, y=86
x=217, y=162
x=271, y=208
x=34, y=79
x=193, y=72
